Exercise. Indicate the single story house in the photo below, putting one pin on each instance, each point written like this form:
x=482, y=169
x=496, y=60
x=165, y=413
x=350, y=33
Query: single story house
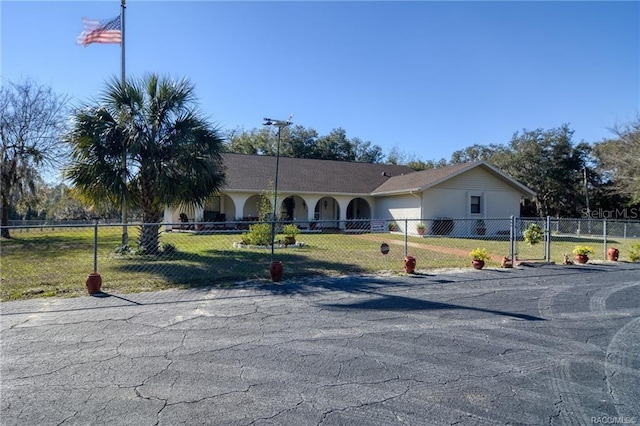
x=328, y=193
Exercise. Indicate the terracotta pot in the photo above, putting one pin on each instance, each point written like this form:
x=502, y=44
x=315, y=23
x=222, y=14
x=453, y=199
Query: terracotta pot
x=420, y=231
x=409, y=264
x=94, y=283
x=477, y=264
x=276, y=270
x=612, y=254
x=582, y=258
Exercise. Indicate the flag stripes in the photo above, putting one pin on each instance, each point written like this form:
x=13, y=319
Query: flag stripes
x=106, y=31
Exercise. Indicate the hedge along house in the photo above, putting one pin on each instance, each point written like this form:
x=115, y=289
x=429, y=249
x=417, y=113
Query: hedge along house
x=327, y=194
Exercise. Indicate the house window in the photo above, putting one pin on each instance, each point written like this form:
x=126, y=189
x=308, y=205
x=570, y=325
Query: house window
x=475, y=205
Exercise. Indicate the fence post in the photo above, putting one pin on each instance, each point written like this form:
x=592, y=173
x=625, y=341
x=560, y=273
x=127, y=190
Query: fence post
x=406, y=237
x=512, y=240
x=547, y=240
x=95, y=248
x=604, y=239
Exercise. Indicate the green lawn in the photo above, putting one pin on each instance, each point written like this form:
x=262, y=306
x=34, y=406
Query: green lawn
x=55, y=262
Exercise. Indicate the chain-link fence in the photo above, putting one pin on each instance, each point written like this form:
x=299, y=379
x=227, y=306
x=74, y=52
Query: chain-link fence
x=55, y=259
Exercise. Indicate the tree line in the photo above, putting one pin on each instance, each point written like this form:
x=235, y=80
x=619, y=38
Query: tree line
x=145, y=141
x=568, y=177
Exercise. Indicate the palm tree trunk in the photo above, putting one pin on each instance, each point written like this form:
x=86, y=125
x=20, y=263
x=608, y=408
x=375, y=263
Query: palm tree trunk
x=150, y=238
x=150, y=232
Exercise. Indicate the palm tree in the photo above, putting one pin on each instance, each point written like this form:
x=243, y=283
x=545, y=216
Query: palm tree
x=145, y=140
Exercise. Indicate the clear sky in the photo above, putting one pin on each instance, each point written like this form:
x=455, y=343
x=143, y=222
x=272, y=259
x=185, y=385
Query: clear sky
x=427, y=77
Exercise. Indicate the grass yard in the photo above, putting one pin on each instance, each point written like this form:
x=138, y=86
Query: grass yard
x=55, y=261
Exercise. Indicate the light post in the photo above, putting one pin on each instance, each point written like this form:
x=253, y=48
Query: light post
x=280, y=124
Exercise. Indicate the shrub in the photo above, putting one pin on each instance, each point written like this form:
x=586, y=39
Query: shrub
x=634, y=252
x=533, y=234
x=123, y=250
x=258, y=235
x=290, y=230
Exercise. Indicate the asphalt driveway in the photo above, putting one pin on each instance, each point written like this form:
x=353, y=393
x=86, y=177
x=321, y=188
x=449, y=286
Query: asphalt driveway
x=544, y=345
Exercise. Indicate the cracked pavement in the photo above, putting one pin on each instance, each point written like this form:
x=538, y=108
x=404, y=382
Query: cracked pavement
x=544, y=345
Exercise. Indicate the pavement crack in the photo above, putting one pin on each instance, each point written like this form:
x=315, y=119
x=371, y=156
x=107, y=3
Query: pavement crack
x=75, y=413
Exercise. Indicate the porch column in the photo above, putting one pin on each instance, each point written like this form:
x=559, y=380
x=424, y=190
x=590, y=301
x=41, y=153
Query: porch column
x=311, y=202
x=199, y=213
x=343, y=203
x=168, y=219
x=239, y=201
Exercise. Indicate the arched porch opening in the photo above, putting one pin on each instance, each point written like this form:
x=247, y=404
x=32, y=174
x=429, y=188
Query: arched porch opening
x=358, y=208
x=251, y=208
x=327, y=213
x=294, y=208
x=219, y=208
x=358, y=215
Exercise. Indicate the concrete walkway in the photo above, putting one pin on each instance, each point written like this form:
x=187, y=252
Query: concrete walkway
x=547, y=345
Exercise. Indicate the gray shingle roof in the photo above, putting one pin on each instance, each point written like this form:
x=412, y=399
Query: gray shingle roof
x=422, y=180
x=254, y=173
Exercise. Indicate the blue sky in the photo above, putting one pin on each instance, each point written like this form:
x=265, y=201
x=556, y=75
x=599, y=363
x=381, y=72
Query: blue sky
x=427, y=77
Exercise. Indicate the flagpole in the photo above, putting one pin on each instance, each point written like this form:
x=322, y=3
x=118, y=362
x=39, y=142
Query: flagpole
x=122, y=28
x=125, y=235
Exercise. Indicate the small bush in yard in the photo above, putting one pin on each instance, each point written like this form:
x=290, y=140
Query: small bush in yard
x=258, y=235
x=533, y=234
x=290, y=230
x=634, y=252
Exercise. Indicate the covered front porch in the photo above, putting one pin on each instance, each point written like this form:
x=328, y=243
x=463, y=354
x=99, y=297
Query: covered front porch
x=309, y=211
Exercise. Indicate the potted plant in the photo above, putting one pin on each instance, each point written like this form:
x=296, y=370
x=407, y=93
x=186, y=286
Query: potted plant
x=392, y=226
x=612, y=254
x=481, y=228
x=290, y=231
x=478, y=257
x=421, y=227
x=582, y=253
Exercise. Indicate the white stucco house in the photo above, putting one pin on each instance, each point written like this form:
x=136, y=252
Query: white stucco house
x=327, y=193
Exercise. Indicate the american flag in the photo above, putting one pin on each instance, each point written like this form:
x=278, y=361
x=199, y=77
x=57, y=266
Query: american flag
x=105, y=31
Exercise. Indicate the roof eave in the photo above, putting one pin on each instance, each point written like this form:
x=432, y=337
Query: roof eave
x=396, y=192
